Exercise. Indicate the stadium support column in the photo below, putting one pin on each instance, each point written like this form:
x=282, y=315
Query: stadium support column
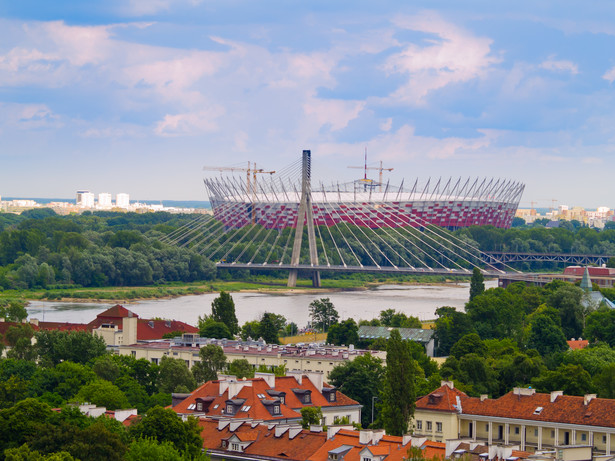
x=304, y=216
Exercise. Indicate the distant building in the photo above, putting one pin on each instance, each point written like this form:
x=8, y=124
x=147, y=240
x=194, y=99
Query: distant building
x=122, y=200
x=85, y=199
x=104, y=200
x=306, y=359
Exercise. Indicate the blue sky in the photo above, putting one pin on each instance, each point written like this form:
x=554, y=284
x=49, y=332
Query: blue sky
x=136, y=96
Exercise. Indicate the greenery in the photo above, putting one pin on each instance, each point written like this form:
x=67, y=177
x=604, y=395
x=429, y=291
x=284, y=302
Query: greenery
x=311, y=416
x=398, y=394
x=477, y=283
x=212, y=361
x=223, y=311
x=323, y=314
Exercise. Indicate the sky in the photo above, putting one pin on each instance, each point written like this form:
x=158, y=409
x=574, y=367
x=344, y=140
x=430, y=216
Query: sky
x=137, y=96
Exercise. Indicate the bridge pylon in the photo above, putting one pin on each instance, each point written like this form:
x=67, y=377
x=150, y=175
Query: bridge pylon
x=305, y=216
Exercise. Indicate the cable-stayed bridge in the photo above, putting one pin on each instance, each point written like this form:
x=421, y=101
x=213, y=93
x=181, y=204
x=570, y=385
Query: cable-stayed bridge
x=285, y=223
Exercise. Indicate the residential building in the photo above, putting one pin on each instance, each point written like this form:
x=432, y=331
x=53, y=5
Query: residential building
x=227, y=439
x=122, y=200
x=268, y=398
x=305, y=358
x=531, y=420
x=104, y=200
x=85, y=199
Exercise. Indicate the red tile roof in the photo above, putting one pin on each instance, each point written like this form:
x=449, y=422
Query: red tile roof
x=156, y=329
x=442, y=399
x=576, y=344
x=62, y=326
x=528, y=405
x=253, y=393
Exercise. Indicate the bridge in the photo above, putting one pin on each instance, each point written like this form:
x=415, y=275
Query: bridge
x=364, y=235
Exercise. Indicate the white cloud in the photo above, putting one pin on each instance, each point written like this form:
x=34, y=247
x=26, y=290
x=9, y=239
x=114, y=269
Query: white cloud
x=28, y=116
x=146, y=7
x=454, y=55
x=560, y=66
x=609, y=75
x=336, y=113
x=189, y=123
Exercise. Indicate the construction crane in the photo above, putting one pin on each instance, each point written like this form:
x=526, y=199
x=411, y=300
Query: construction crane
x=365, y=168
x=251, y=185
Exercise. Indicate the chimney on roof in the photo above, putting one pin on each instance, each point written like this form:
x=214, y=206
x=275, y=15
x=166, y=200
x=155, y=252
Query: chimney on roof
x=483, y=397
x=588, y=398
x=268, y=377
x=523, y=391
x=406, y=439
x=298, y=374
x=317, y=379
x=32, y=321
x=556, y=394
x=450, y=384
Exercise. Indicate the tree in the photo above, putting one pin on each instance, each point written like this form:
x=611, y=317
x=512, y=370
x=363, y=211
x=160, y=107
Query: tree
x=361, y=379
x=24, y=453
x=103, y=393
x=269, y=328
x=223, y=310
x=323, y=314
x=55, y=346
x=241, y=368
x=469, y=344
x=149, y=449
x=164, y=425
x=398, y=395
x=567, y=300
x=251, y=330
x=611, y=262
x=209, y=328
x=310, y=416
x=572, y=379
x=546, y=336
x=600, y=326
x=173, y=374
x=212, y=361
x=450, y=327
x=477, y=284
x=346, y=332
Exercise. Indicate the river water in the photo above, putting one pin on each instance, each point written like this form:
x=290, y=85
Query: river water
x=418, y=300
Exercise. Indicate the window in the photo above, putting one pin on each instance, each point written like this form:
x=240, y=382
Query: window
x=332, y=397
x=366, y=458
x=276, y=409
x=583, y=437
x=486, y=427
x=516, y=430
x=438, y=427
x=419, y=425
x=229, y=409
x=155, y=361
x=306, y=398
x=199, y=406
x=235, y=447
x=604, y=439
x=536, y=432
x=552, y=434
x=133, y=353
x=429, y=425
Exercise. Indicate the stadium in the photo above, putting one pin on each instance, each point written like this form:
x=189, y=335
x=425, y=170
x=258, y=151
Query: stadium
x=273, y=202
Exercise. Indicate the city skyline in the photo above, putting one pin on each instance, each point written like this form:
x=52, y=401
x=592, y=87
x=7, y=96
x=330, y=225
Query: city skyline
x=140, y=95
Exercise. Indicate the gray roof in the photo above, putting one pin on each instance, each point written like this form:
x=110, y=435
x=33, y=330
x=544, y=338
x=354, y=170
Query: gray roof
x=413, y=334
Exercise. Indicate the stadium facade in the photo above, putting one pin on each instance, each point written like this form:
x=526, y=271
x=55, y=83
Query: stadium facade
x=452, y=204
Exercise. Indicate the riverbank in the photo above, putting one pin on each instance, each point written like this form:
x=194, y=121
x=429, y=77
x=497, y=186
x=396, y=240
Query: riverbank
x=126, y=295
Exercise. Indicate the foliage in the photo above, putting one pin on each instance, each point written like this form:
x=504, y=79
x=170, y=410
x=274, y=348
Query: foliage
x=269, y=328
x=546, y=337
x=600, y=326
x=104, y=394
x=13, y=310
x=391, y=318
x=346, y=333
x=360, y=379
x=477, y=283
x=164, y=425
x=55, y=346
x=310, y=416
x=223, y=310
x=174, y=373
x=451, y=325
x=149, y=449
x=209, y=328
x=241, y=368
x=398, y=394
x=323, y=314
x=212, y=361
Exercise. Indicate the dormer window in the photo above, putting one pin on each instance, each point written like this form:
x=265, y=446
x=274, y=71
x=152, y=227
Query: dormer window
x=199, y=406
x=276, y=409
x=332, y=397
x=229, y=409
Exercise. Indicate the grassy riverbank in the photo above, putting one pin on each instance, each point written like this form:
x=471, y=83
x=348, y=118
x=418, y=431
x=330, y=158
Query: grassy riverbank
x=270, y=285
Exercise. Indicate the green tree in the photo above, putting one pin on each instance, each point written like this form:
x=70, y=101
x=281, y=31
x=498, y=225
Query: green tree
x=311, y=416
x=451, y=325
x=477, y=283
x=212, y=361
x=241, y=368
x=24, y=453
x=323, y=314
x=174, y=373
x=346, y=332
x=546, y=336
x=361, y=380
x=469, y=344
x=209, y=328
x=54, y=346
x=251, y=330
x=103, y=393
x=164, y=425
x=13, y=310
x=572, y=379
x=398, y=394
x=611, y=262
x=149, y=449
x=223, y=310
x=600, y=326
x=567, y=300
x=269, y=328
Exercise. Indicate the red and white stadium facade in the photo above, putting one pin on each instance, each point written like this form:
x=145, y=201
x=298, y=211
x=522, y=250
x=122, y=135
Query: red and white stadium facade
x=453, y=205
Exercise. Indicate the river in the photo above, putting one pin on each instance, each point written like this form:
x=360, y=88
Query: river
x=418, y=300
